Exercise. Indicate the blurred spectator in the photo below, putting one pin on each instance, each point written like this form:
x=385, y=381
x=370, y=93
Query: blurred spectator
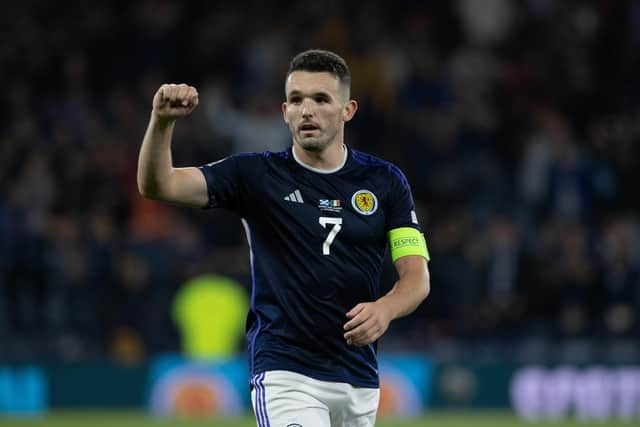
x=210, y=311
x=256, y=126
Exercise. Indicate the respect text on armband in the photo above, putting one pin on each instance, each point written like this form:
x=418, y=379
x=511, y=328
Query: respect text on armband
x=402, y=242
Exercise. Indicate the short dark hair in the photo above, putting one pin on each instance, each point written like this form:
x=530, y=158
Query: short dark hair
x=318, y=61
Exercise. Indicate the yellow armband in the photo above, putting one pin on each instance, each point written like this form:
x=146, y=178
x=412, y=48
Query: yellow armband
x=407, y=241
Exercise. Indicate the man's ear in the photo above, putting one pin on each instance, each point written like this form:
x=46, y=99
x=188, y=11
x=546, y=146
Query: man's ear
x=349, y=110
x=284, y=112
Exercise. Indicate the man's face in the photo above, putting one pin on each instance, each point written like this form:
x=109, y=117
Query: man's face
x=316, y=108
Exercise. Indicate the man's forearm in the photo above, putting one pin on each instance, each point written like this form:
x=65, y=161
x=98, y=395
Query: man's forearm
x=407, y=294
x=154, y=162
x=369, y=321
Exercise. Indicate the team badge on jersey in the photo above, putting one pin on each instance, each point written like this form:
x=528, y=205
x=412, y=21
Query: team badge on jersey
x=365, y=202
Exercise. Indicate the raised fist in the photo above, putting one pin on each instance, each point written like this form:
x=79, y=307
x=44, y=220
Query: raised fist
x=173, y=101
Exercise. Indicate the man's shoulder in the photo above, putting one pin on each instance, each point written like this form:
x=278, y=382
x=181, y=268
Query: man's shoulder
x=384, y=166
x=261, y=156
x=255, y=162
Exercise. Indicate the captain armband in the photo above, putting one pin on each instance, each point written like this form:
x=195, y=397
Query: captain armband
x=405, y=241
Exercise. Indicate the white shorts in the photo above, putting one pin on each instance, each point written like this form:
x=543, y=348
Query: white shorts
x=288, y=399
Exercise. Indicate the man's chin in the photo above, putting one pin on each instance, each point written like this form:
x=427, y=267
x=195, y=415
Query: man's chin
x=312, y=144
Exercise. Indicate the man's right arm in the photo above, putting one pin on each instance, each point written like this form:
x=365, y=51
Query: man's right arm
x=157, y=178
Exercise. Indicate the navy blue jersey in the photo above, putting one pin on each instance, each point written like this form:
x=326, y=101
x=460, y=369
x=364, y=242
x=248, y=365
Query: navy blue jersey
x=318, y=242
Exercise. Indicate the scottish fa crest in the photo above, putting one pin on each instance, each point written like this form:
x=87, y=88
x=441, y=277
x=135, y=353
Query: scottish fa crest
x=364, y=202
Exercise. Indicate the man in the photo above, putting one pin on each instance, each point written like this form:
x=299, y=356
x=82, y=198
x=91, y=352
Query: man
x=318, y=217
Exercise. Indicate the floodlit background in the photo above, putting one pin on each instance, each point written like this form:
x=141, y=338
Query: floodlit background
x=517, y=124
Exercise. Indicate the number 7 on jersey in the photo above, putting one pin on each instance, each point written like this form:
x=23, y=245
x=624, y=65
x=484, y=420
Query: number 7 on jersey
x=337, y=226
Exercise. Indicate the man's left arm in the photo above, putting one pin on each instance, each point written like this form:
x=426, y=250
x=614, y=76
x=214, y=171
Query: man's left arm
x=370, y=320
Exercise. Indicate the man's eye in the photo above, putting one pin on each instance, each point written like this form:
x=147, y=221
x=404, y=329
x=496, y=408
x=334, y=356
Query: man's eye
x=321, y=99
x=295, y=100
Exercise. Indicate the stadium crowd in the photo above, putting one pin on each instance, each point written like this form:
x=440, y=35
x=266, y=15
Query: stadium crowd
x=517, y=124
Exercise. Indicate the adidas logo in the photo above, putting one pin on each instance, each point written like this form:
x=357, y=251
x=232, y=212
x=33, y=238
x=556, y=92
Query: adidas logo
x=295, y=197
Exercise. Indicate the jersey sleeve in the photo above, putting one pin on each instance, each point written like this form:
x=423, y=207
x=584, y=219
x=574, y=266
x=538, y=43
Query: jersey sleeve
x=230, y=181
x=401, y=211
x=403, y=230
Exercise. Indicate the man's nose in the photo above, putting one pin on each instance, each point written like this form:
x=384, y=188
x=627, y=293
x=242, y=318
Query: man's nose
x=307, y=110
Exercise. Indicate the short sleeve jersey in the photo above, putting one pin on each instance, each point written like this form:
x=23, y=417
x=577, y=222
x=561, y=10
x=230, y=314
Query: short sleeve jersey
x=318, y=242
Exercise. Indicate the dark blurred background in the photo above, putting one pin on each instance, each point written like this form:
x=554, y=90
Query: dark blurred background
x=517, y=124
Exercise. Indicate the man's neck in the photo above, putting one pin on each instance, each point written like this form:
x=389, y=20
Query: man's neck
x=330, y=159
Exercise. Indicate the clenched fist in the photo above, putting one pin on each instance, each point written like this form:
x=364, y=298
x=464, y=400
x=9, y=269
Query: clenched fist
x=173, y=101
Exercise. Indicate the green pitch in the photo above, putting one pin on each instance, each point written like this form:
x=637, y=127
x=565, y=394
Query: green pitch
x=138, y=419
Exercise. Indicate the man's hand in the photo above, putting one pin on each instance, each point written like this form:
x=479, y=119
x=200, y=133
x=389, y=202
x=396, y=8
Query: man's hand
x=369, y=320
x=173, y=101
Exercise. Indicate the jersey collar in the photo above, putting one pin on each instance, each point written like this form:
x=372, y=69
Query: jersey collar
x=323, y=171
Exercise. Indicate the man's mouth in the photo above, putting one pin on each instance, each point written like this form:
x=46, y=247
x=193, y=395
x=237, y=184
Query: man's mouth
x=309, y=127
